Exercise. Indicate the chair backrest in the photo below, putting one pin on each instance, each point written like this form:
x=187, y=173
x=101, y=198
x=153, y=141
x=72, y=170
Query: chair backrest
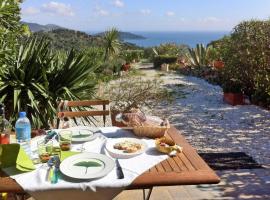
x=65, y=110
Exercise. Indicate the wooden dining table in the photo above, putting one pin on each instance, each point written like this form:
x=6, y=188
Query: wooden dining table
x=186, y=168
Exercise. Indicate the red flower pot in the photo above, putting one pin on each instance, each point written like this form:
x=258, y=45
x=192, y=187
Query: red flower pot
x=218, y=64
x=234, y=98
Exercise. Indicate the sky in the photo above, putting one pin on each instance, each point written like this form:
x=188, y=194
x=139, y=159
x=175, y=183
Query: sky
x=145, y=15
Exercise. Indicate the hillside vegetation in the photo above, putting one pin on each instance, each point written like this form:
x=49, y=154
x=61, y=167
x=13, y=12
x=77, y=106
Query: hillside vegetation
x=125, y=35
x=66, y=39
x=35, y=27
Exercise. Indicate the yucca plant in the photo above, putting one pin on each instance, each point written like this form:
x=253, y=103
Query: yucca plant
x=198, y=56
x=37, y=80
x=112, y=44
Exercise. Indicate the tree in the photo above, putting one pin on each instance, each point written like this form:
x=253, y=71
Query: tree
x=112, y=44
x=10, y=30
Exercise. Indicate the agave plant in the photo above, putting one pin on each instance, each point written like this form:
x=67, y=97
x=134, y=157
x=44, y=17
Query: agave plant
x=198, y=56
x=37, y=79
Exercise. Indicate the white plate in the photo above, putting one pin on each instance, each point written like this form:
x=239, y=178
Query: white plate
x=120, y=153
x=83, y=133
x=72, y=166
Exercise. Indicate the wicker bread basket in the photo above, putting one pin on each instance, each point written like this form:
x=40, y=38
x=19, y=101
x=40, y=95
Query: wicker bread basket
x=150, y=131
x=137, y=121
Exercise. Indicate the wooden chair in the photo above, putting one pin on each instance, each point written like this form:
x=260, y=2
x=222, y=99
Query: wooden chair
x=66, y=111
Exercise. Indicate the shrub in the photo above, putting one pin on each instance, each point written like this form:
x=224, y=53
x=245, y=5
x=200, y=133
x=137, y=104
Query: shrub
x=246, y=54
x=149, y=54
x=134, y=92
x=132, y=55
x=171, y=49
x=210, y=74
x=10, y=30
x=159, y=60
x=174, y=66
x=167, y=49
x=112, y=67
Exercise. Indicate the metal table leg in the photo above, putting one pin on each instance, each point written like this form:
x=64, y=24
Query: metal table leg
x=147, y=197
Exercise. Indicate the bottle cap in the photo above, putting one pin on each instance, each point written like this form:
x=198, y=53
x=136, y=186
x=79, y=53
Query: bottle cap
x=22, y=114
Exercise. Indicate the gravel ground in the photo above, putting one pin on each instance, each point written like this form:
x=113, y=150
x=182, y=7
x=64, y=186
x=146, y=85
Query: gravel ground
x=211, y=125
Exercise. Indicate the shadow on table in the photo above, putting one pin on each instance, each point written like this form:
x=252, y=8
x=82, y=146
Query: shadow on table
x=152, y=151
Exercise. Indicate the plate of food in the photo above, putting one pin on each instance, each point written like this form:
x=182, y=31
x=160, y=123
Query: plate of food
x=83, y=133
x=87, y=166
x=125, y=147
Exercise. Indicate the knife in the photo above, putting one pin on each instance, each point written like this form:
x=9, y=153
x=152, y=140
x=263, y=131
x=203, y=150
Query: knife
x=119, y=171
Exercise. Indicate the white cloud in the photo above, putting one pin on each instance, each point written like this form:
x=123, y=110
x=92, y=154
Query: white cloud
x=182, y=19
x=101, y=12
x=209, y=20
x=56, y=8
x=170, y=13
x=145, y=11
x=30, y=11
x=118, y=3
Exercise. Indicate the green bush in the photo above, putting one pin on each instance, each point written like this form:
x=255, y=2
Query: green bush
x=167, y=49
x=171, y=49
x=159, y=60
x=149, y=54
x=132, y=55
x=10, y=30
x=246, y=54
x=174, y=66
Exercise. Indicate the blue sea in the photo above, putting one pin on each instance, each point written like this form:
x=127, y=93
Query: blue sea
x=190, y=38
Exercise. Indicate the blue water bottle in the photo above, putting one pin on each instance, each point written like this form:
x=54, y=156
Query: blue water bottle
x=23, y=132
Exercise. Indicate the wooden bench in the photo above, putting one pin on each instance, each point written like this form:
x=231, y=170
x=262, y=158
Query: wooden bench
x=65, y=109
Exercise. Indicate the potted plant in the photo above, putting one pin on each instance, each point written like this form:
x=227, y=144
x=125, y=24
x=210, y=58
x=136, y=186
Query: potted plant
x=129, y=92
x=215, y=58
x=232, y=92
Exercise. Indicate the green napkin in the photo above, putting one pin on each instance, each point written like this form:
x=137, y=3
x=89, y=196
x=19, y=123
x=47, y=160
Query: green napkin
x=66, y=154
x=13, y=155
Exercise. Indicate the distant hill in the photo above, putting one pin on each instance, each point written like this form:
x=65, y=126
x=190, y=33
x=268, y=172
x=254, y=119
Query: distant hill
x=125, y=35
x=65, y=39
x=34, y=27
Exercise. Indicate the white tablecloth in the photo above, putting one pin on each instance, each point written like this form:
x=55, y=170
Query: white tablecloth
x=104, y=188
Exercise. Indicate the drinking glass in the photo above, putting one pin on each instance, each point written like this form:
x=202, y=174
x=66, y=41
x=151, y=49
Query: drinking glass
x=44, y=150
x=65, y=137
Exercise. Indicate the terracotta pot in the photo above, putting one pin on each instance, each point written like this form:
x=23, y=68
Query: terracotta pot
x=114, y=122
x=218, y=64
x=126, y=67
x=234, y=98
